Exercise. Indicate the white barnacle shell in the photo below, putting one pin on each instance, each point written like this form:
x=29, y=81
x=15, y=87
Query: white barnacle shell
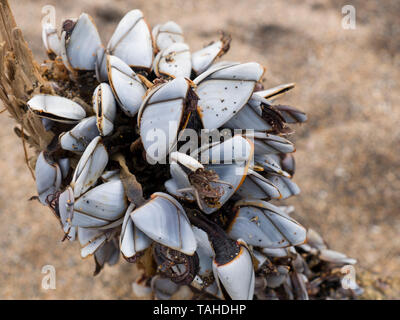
x=231, y=177
x=161, y=116
x=262, y=224
x=86, y=235
x=204, y=252
x=255, y=186
x=204, y=58
x=290, y=114
x=298, y=281
x=50, y=39
x=56, y=108
x=64, y=164
x=48, y=177
x=285, y=185
x=108, y=253
x=335, y=257
x=110, y=175
x=132, y=41
x=270, y=163
x=230, y=174
x=79, y=46
x=100, y=207
x=180, y=179
x=275, y=92
x=166, y=34
x=230, y=160
x=92, y=239
x=268, y=184
x=265, y=143
x=315, y=240
x=127, y=87
x=248, y=118
x=66, y=208
x=92, y=246
x=163, y=288
x=164, y=220
x=237, y=276
x=101, y=65
x=79, y=137
x=186, y=160
x=233, y=173
x=90, y=167
x=132, y=240
x=279, y=252
x=105, y=108
x=174, y=61
x=259, y=259
x=236, y=149
x=277, y=278
x=224, y=90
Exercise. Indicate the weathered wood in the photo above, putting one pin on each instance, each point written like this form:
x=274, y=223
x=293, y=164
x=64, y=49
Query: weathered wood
x=20, y=78
x=7, y=22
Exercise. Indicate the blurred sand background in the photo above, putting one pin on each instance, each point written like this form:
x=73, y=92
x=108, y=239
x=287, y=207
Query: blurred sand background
x=348, y=154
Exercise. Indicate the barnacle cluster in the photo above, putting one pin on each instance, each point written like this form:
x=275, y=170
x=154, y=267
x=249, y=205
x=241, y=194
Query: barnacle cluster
x=171, y=159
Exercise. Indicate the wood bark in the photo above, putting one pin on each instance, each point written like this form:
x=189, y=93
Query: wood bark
x=20, y=79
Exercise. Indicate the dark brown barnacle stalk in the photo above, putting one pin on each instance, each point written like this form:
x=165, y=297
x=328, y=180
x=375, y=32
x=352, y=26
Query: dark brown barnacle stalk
x=52, y=202
x=226, y=41
x=190, y=107
x=68, y=26
x=177, y=266
x=291, y=114
x=108, y=253
x=225, y=248
x=135, y=258
x=275, y=119
x=259, y=86
x=232, y=264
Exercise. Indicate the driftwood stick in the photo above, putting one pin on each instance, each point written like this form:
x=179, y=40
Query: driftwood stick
x=20, y=79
